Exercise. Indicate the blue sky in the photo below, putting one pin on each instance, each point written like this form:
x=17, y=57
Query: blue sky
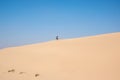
x=32, y=21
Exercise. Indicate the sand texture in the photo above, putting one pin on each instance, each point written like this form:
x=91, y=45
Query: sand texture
x=87, y=58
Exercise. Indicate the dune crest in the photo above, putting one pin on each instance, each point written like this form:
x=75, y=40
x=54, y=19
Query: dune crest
x=88, y=58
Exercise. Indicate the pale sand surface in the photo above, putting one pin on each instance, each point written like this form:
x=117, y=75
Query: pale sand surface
x=88, y=58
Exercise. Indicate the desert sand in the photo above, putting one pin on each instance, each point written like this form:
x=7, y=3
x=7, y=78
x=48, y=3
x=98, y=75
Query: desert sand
x=88, y=58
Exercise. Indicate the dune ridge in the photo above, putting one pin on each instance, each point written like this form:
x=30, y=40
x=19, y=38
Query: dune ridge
x=88, y=58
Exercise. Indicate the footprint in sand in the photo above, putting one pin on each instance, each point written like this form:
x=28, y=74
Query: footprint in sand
x=36, y=75
x=22, y=72
x=12, y=70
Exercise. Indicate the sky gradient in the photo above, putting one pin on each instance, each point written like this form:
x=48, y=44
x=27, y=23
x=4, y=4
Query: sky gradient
x=33, y=21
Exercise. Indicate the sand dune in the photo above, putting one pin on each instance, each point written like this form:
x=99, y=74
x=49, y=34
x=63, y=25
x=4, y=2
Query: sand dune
x=88, y=58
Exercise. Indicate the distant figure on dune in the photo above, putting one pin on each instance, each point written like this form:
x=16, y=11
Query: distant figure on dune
x=57, y=37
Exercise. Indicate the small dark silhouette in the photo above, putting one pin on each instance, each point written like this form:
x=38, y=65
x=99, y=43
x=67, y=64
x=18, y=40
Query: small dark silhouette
x=36, y=75
x=57, y=37
x=12, y=70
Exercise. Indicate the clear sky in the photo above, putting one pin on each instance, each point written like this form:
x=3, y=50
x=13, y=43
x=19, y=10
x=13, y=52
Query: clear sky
x=32, y=21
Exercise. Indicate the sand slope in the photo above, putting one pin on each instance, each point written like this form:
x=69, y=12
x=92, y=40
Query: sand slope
x=88, y=58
